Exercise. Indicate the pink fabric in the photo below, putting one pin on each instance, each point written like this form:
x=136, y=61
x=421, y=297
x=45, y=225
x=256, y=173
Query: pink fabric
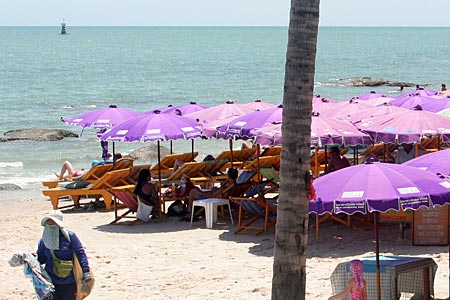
x=356, y=267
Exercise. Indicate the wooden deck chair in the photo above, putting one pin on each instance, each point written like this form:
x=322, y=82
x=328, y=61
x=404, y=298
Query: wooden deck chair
x=126, y=196
x=271, y=151
x=133, y=177
x=189, y=169
x=168, y=161
x=100, y=187
x=123, y=163
x=255, y=204
x=211, y=173
x=92, y=174
x=238, y=157
x=273, y=161
x=319, y=161
x=382, y=151
x=271, y=175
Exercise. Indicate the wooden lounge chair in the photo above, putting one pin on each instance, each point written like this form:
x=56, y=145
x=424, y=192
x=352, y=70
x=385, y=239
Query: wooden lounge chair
x=273, y=161
x=100, y=187
x=168, y=161
x=382, y=151
x=271, y=151
x=211, y=173
x=255, y=204
x=237, y=157
x=92, y=174
x=189, y=169
x=319, y=161
x=126, y=196
x=123, y=163
x=133, y=177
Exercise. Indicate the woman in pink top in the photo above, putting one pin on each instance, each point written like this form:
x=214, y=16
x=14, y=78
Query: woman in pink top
x=356, y=286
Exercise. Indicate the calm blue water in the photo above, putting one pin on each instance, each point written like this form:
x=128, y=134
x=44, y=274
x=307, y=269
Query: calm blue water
x=44, y=75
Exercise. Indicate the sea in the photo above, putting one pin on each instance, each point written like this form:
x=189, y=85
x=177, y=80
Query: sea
x=45, y=76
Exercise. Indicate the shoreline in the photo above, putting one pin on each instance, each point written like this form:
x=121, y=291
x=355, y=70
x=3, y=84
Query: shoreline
x=165, y=260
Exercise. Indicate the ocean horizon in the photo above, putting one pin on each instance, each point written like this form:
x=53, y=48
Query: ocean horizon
x=46, y=76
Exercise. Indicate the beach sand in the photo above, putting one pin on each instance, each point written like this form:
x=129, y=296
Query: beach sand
x=168, y=260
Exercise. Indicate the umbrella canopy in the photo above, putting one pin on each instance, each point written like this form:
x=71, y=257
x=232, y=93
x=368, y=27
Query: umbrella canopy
x=259, y=105
x=268, y=135
x=369, y=95
x=385, y=109
x=344, y=109
x=184, y=109
x=378, y=187
x=331, y=131
x=322, y=104
x=324, y=131
x=436, y=162
x=379, y=100
x=154, y=127
x=406, y=127
x=437, y=105
x=241, y=126
x=102, y=118
x=223, y=111
x=419, y=91
x=318, y=99
x=412, y=100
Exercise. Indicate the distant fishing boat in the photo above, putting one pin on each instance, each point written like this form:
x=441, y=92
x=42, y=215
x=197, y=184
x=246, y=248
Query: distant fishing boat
x=63, y=27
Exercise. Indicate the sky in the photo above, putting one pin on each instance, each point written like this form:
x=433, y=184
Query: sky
x=219, y=12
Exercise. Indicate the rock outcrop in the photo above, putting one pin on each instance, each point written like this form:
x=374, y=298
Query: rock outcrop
x=36, y=134
x=369, y=81
x=149, y=152
x=9, y=186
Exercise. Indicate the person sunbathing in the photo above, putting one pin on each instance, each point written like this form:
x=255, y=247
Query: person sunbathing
x=337, y=161
x=197, y=194
x=68, y=168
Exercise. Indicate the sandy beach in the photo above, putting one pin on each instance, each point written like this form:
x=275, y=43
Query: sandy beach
x=169, y=260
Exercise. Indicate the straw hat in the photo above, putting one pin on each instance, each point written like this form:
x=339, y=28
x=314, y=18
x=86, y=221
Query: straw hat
x=56, y=216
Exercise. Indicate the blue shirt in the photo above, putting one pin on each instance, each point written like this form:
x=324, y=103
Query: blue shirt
x=66, y=250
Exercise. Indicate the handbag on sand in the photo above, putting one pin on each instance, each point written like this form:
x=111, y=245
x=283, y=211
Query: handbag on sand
x=83, y=288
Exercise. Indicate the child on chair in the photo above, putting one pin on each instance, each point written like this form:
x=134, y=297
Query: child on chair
x=356, y=286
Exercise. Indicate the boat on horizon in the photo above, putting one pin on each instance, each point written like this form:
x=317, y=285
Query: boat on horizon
x=63, y=27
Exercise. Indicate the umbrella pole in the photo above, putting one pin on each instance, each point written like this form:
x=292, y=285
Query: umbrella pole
x=377, y=253
x=114, y=152
x=231, y=150
x=171, y=147
x=159, y=177
x=316, y=162
x=192, y=150
x=259, y=169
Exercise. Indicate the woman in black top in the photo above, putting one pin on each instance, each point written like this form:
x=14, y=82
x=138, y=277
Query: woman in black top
x=147, y=192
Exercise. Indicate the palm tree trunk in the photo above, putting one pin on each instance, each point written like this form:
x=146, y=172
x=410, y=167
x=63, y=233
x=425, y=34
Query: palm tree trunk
x=289, y=269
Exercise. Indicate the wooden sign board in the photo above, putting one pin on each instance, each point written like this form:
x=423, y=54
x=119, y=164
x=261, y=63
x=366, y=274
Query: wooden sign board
x=397, y=216
x=430, y=226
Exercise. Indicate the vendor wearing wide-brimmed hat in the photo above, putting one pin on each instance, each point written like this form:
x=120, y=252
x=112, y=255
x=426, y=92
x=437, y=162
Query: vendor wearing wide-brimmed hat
x=56, y=249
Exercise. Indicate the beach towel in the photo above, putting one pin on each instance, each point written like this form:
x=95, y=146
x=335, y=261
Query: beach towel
x=42, y=282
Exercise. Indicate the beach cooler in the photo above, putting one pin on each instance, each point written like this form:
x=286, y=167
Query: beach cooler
x=399, y=274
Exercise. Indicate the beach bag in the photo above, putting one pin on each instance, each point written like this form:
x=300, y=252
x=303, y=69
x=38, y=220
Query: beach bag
x=79, y=184
x=83, y=288
x=144, y=211
x=61, y=267
x=177, y=209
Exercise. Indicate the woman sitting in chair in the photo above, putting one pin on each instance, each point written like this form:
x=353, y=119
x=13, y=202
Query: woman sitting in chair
x=196, y=193
x=146, y=191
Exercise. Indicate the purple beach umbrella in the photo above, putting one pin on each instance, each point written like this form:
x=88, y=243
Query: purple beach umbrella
x=344, y=109
x=259, y=105
x=241, y=126
x=369, y=95
x=102, y=118
x=436, y=162
x=437, y=105
x=406, y=127
x=327, y=131
x=412, y=100
x=378, y=187
x=185, y=109
x=154, y=127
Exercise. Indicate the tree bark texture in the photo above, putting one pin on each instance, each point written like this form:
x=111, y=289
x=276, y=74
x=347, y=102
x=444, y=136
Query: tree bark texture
x=289, y=269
